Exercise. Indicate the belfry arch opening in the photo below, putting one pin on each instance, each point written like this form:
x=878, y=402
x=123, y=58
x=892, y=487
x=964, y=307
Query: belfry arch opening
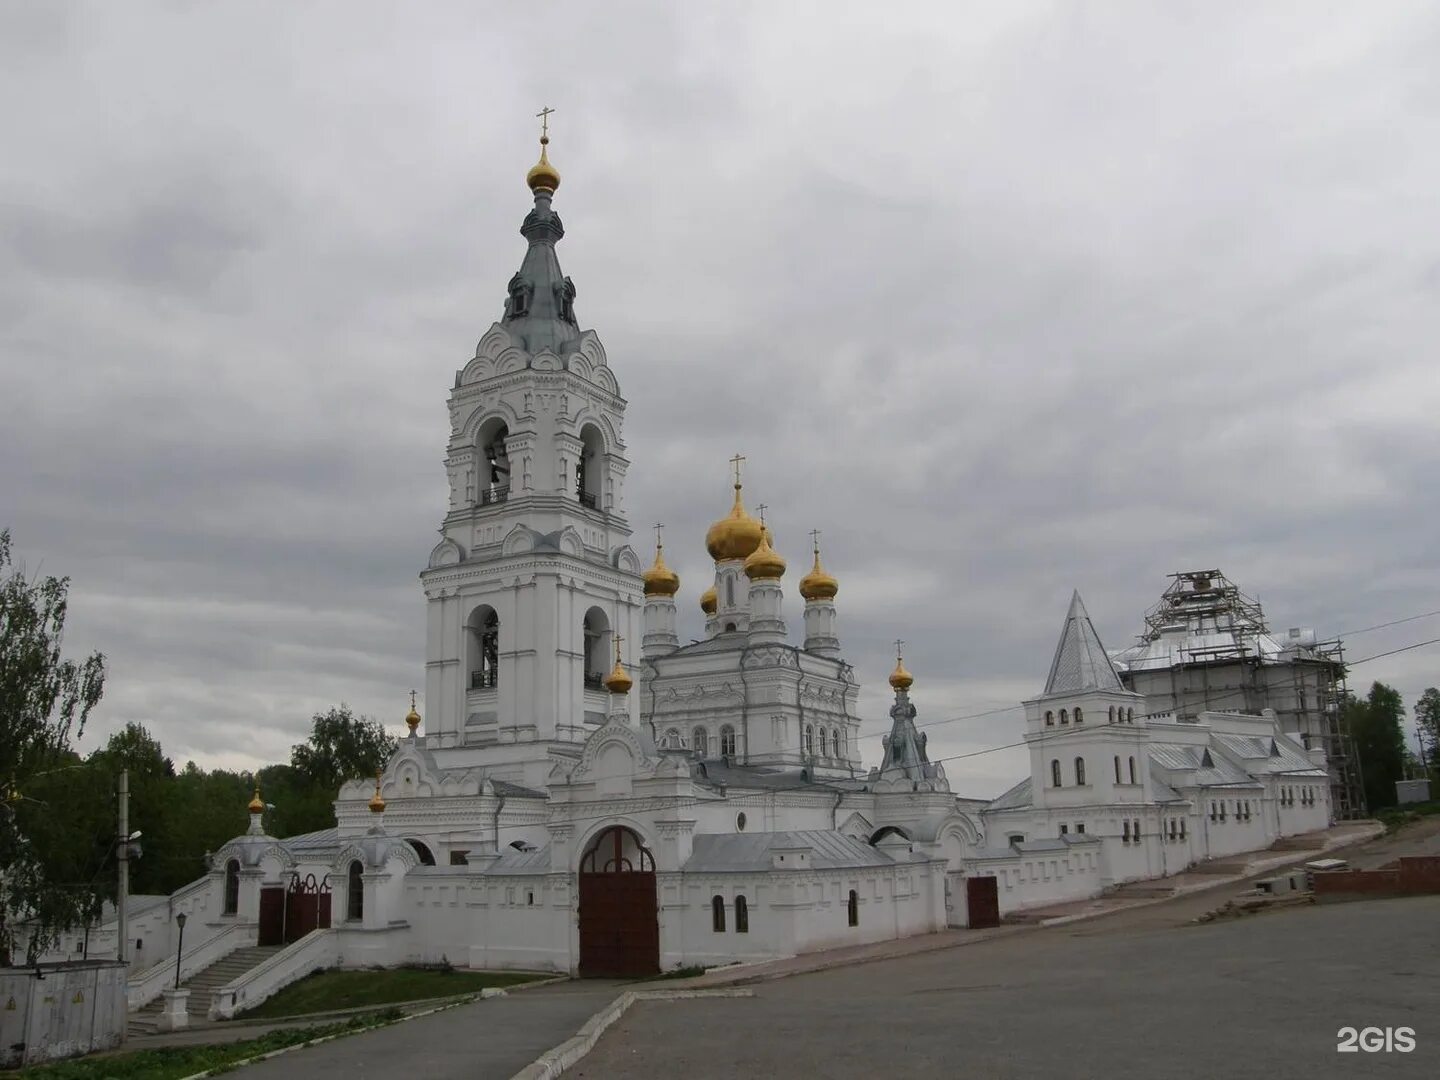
x=483, y=648
x=587, y=470
x=494, y=462
x=595, y=629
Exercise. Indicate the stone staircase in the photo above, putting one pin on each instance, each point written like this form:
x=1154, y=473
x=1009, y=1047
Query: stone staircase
x=202, y=987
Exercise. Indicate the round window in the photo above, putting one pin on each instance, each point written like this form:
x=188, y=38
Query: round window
x=740, y=821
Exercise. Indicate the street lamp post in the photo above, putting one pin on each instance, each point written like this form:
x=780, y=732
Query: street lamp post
x=179, y=946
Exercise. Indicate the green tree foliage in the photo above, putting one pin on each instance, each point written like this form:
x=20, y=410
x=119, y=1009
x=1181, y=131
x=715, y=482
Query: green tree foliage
x=342, y=747
x=1427, y=719
x=44, y=699
x=1376, y=728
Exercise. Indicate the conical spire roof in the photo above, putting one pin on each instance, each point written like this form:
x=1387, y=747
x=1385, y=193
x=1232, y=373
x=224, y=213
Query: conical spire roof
x=1081, y=662
x=540, y=299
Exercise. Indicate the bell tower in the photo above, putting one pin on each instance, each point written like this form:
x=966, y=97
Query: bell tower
x=533, y=574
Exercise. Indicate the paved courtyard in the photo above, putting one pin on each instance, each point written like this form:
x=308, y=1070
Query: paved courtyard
x=1260, y=996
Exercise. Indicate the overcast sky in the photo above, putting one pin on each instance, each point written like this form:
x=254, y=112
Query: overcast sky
x=1006, y=299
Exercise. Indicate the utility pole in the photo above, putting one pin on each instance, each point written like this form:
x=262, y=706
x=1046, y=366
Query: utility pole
x=122, y=855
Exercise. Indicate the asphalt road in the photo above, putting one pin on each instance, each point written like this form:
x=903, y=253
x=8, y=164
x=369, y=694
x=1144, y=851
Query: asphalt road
x=485, y=1040
x=1260, y=996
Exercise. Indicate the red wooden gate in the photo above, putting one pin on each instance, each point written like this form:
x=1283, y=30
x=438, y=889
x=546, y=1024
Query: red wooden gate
x=982, y=900
x=307, y=906
x=272, y=916
x=619, y=926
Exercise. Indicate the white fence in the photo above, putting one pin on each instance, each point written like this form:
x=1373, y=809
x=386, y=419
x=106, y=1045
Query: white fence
x=60, y=1010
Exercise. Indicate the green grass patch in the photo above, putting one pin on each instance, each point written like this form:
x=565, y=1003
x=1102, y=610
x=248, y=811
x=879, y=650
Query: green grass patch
x=327, y=990
x=1392, y=817
x=171, y=1062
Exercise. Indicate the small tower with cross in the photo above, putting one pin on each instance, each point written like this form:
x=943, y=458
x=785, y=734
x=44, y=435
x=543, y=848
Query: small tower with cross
x=819, y=589
x=764, y=568
x=731, y=541
x=661, y=585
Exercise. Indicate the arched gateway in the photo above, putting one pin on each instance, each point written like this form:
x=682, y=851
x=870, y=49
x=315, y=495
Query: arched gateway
x=619, y=928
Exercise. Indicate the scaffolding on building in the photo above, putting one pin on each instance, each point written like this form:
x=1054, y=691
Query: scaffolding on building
x=1208, y=645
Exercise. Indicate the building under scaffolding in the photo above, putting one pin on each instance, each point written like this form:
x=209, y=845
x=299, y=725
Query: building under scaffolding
x=1206, y=646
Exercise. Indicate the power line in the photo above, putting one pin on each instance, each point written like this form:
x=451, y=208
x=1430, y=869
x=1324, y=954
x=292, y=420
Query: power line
x=1392, y=652
x=1392, y=622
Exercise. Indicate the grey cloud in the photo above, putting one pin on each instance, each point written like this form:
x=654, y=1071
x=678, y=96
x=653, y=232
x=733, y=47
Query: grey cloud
x=1036, y=297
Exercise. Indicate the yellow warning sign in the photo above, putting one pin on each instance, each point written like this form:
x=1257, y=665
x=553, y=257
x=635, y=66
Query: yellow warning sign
x=10, y=1005
x=79, y=998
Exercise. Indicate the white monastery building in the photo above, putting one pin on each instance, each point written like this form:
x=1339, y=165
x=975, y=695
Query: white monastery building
x=589, y=795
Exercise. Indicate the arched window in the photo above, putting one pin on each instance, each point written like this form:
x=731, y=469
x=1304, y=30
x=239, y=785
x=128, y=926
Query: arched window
x=730, y=591
x=742, y=915
x=427, y=857
x=1117, y=769
x=717, y=914
x=1135, y=828
x=1182, y=828
x=853, y=908
x=494, y=465
x=1080, y=771
x=1055, y=773
x=354, y=893
x=839, y=743
x=727, y=741
x=1132, y=770
x=810, y=739
x=484, y=648
x=1125, y=836
x=1079, y=716
x=596, y=631
x=1112, y=714
x=700, y=741
x=1064, y=716
x=1049, y=718
x=587, y=469
x=232, y=886
x=1129, y=716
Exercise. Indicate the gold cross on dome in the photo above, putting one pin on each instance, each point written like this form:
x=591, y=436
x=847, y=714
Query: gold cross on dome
x=815, y=539
x=544, y=117
x=899, y=645
x=737, y=461
x=412, y=700
x=762, y=508
x=659, y=528
x=618, y=640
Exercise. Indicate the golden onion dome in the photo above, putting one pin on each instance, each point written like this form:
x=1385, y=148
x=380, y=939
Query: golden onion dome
x=900, y=679
x=377, y=801
x=709, y=600
x=412, y=718
x=257, y=804
x=542, y=174
x=735, y=536
x=764, y=563
x=660, y=580
x=619, y=681
x=818, y=584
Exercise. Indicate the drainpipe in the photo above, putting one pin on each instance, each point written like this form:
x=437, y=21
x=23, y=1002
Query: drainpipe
x=499, y=806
